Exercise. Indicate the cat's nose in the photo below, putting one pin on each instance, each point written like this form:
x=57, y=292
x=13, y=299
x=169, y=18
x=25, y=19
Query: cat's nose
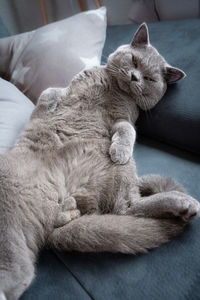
x=134, y=77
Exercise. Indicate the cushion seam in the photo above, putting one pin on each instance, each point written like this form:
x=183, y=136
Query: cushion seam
x=75, y=277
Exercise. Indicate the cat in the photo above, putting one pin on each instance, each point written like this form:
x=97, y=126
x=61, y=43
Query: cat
x=70, y=181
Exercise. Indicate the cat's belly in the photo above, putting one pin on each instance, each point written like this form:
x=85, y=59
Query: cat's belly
x=82, y=124
x=92, y=178
x=79, y=166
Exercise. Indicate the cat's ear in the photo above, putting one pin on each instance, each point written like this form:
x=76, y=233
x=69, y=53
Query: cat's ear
x=172, y=75
x=141, y=37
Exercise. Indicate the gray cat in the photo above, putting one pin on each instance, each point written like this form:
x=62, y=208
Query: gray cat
x=70, y=181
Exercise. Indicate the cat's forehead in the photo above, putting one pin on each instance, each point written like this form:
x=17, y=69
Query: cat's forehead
x=142, y=52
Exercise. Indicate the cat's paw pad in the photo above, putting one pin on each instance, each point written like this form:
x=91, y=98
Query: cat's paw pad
x=50, y=98
x=186, y=207
x=65, y=217
x=119, y=153
x=188, y=212
x=46, y=95
x=68, y=212
x=69, y=203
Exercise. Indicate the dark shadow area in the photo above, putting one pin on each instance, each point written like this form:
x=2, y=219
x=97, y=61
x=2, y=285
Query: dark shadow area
x=173, y=150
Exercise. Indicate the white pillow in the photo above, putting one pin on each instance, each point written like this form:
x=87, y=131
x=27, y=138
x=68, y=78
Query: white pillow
x=51, y=55
x=15, y=111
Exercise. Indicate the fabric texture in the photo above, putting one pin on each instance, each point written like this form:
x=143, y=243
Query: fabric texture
x=51, y=55
x=15, y=110
x=162, y=10
x=176, y=118
x=143, y=11
x=54, y=280
x=3, y=30
x=177, y=9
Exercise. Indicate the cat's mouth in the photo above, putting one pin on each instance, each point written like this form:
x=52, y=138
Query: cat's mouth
x=132, y=87
x=135, y=88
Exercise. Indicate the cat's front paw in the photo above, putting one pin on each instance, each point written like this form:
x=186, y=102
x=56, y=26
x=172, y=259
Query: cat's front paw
x=120, y=153
x=50, y=98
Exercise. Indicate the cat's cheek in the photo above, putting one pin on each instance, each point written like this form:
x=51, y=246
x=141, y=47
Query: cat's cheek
x=158, y=94
x=135, y=90
x=123, y=85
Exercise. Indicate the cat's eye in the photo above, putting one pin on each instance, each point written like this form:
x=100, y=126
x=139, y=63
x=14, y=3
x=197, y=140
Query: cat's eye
x=134, y=61
x=149, y=78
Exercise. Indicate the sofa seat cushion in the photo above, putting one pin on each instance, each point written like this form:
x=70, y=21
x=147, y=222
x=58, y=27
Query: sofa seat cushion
x=176, y=118
x=169, y=272
x=54, y=281
x=15, y=110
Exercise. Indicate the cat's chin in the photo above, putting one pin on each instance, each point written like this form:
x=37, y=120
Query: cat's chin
x=142, y=107
x=145, y=105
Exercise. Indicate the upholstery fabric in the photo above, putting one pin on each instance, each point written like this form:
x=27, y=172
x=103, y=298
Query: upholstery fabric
x=177, y=9
x=51, y=55
x=176, y=118
x=15, y=110
x=54, y=281
x=143, y=11
x=162, y=10
x=3, y=30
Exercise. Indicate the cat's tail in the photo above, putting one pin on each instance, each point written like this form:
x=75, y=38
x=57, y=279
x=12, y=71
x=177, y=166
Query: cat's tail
x=115, y=233
x=153, y=184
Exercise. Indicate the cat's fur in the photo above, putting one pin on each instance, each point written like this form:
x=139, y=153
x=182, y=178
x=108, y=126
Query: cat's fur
x=77, y=148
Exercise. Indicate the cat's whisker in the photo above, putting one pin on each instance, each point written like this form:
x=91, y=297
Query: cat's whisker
x=123, y=72
x=146, y=105
x=113, y=67
x=138, y=89
x=113, y=70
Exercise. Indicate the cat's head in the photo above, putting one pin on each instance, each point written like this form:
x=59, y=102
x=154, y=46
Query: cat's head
x=141, y=71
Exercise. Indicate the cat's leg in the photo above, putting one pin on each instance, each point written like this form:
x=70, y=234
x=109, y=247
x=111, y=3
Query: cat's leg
x=166, y=204
x=170, y=193
x=68, y=212
x=123, y=140
x=48, y=101
x=52, y=96
x=16, y=270
x=120, y=233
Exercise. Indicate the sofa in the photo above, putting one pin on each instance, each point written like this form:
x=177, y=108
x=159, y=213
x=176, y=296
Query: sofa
x=168, y=143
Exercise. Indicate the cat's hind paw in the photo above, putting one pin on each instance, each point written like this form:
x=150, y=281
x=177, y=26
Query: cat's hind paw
x=186, y=207
x=69, y=212
x=65, y=217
